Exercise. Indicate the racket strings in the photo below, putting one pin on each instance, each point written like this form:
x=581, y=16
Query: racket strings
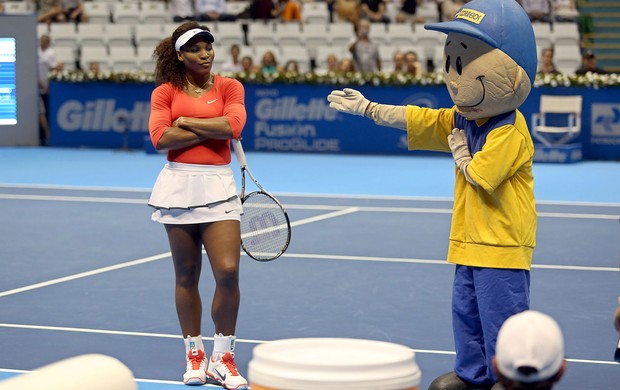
x=264, y=227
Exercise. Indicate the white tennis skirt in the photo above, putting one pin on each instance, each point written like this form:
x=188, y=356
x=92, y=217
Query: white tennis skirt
x=194, y=193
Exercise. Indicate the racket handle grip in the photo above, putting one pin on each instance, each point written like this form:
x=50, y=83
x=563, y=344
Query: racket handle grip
x=236, y=144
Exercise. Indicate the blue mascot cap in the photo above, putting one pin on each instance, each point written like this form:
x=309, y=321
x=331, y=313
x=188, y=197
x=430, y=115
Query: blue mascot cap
x=503, y=24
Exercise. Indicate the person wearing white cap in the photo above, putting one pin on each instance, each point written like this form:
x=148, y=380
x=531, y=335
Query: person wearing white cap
x=194, y=115
x=529, y=353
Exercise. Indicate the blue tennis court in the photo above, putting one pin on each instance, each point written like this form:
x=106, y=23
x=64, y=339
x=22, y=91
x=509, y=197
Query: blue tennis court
x=85, y=270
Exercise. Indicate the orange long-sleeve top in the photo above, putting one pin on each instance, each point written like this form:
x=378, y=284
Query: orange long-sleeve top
x=226, y=98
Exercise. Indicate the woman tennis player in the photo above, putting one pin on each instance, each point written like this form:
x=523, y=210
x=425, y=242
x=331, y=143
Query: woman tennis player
x=194, y=114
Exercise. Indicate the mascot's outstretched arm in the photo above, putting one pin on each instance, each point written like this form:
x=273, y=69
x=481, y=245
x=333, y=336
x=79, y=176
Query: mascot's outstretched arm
x=353, y=102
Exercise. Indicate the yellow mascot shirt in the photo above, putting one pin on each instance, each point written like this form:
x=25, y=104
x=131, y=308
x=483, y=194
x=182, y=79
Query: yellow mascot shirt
x=493, y=222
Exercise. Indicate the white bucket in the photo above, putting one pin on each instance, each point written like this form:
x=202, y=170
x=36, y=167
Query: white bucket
x=333, y=363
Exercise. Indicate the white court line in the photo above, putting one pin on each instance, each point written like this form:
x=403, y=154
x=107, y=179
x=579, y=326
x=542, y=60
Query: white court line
x=150, y=258
x=301, y=222
x=380, y=209
x=157, y=381
x=85, y=274
x=74, y=187
x=245, y=341
x=314, y=256
x=305, y=221
x=307, y=195
x=440, y=262
x=73, y=199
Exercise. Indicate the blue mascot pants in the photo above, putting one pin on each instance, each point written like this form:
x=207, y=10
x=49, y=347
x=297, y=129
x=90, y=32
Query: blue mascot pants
x=482, y=299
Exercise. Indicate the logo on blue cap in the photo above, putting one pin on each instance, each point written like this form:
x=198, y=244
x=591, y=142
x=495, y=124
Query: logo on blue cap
x=502, y=24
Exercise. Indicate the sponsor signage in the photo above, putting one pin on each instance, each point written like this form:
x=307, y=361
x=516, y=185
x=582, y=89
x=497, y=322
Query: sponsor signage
x=297, y=118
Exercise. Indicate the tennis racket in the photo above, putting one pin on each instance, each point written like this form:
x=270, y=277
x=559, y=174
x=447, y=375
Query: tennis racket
x=265, y=226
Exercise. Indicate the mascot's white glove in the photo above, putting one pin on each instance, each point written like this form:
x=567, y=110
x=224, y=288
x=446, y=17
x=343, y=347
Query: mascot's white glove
x=348, y=100
x=460, y=152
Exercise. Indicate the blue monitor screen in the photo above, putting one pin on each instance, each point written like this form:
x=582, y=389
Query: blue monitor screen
x=8, y=101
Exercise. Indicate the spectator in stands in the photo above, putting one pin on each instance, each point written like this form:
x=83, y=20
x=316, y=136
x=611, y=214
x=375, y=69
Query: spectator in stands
x=1, y=6
x=374, y=10
x=399, y=62
x=47, y=63
x=449, y=8
x=537, y=10
x=407, y=12
x=93, y=67
x=529, y=353
x=72, y=11
x=260, y=10
x=269, y=63
x=181, y=10
x=48, y=10
x=564, y=10
x=289, y=11
x=331, y=63
x=233, y=64
x=291, y=66
x=365, y=53
x=546, y=62
x=346, y=65
x=347, y=10
x=213, y=11
x=412, y=65
x=588, y=64
x=247, y=65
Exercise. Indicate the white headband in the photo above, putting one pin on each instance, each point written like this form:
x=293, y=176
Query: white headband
x=186, y=36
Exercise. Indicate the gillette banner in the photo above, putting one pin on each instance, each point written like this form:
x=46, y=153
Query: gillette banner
x=297, y=118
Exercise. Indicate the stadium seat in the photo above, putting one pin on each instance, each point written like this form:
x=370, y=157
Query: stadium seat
x=298, y=53
x=567, y=58
x=566, y=34
x=119, y=35
x=343, y=34
x=97, y=11
x=154, y=12
x=67, y=55
x=93, y=34
x=315, y=12
x=126, y=12
x=19, y=7
x=98, y=54
x=149, y=35
x=543, y=35
x=259, y=51
x=428, y=11
x=236, y=7
x=123, y=58
x=42, y=28
x=144, y=57
x=63, y=34
x=379, y=33
x=228, y=34
x=316, y=35
x=262, y=34
x=320, y=55
x=402, y=34
x=290, y=34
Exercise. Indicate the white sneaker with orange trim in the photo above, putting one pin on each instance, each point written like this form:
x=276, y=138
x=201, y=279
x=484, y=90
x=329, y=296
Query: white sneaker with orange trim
x=222, y=369
x=195, y=374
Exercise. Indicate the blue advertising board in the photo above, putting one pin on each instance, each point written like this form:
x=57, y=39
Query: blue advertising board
x=297, y=118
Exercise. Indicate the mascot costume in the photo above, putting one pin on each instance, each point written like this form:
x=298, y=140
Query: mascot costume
x=489, y=66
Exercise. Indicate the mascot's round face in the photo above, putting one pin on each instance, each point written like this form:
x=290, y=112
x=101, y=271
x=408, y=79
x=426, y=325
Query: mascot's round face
x=482, y=81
